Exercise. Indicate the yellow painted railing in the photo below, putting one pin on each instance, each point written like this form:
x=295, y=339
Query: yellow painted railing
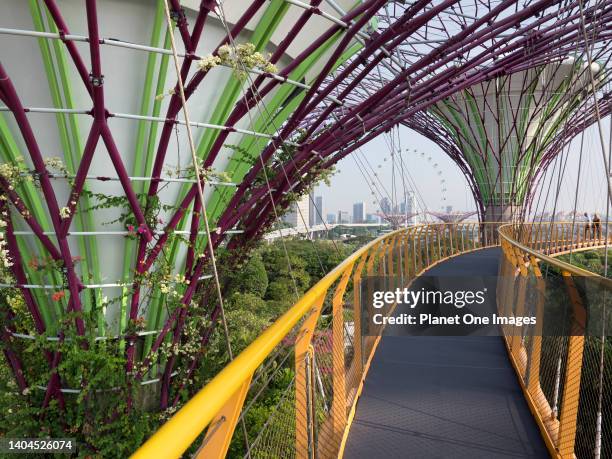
x=564, y=362
x=318, y=348
x=315, y=352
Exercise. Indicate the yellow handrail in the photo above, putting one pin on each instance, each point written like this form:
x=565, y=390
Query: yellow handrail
x=549, y=365
x=219, y=403
x=505, y=234
x=176, y=435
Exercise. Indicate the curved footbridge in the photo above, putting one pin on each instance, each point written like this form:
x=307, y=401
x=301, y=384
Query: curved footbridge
x=524, y=394
x=442, y=397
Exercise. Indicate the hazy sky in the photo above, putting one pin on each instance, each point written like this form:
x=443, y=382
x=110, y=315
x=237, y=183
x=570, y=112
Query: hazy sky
x=349, y=185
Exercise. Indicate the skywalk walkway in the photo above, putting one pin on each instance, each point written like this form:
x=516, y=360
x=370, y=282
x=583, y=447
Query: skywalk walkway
x=444, y=397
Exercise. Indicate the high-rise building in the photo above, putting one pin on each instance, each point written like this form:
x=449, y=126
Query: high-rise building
x=359, y=212
x=318, y=210
x=312, y=212
x=299, y=214
x=343, y=217
x=331, y=219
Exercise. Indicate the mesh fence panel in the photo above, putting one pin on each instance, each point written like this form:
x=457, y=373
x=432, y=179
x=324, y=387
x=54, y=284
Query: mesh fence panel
x=566, y=362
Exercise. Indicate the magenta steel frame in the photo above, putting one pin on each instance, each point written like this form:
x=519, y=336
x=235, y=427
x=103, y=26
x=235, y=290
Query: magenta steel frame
x=524, y=37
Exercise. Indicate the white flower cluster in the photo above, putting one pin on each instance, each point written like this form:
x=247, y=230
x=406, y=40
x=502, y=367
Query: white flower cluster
x=208, y=62
x=56, y=163
x=165, y=284
x=173, y=171
x=211, y=174
x=169, y=92
x=243, y=57
x=12, y=173
x=5, y=259
x=65, y=212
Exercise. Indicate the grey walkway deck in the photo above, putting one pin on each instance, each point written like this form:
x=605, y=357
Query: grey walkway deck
x=444, y=397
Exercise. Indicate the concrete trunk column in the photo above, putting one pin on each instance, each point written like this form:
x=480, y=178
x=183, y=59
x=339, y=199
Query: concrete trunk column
x=502, y=214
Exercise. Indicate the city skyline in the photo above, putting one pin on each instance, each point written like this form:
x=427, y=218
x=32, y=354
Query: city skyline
x=348, y=185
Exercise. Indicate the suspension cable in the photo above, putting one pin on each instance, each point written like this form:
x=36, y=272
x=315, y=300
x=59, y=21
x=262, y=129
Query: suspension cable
x=196, y=168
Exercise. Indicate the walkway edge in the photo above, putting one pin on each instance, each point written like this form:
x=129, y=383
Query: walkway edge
x=353, y=410
x=532, y=406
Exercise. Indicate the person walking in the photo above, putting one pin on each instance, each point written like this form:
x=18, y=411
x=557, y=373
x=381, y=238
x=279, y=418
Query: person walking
x=596, y=226
x=587, y=227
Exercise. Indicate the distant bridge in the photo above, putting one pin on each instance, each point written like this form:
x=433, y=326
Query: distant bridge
x=312, y=230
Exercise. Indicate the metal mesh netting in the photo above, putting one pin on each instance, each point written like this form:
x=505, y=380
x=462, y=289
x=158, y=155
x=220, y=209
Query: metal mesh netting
x=277, y=436
x=565, y=360
x=300, y=398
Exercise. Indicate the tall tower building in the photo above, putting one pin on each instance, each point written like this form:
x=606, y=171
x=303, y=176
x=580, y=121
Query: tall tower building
x=299, y=214
x=343, y=216
x=317, y=218
x=359, y=212
x=312, y=212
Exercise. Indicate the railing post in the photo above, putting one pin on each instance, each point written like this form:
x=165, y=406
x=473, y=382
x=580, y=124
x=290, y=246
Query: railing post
x=427, y=263
x=396, y=268
x=417, y=254
x=303, y=425
x=383, y=269
x=516, y=342
x=541, y=237
x=310, y=402
x=437, y=242
x=357, y=332
x=400, y=259
x=389, y=258
x=508, y=293
x=339, y=368
x=432, y=243
x=382, y=263
x=568, y=416
x=571, y=397
x=406, y=257
x=221, y=429
x=371, y=260
x=367, y=339
x=535, y=349
x=501, y=280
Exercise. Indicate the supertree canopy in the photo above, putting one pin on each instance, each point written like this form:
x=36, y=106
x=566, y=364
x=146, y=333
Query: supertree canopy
x=452, y=217
x=106, y=245
x=502, y=129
